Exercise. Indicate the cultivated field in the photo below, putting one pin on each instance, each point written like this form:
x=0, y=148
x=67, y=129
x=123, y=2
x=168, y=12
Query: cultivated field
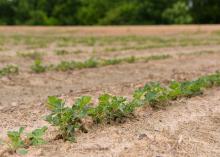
x=170, y=119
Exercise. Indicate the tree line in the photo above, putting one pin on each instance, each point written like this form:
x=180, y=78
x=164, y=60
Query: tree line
x=108, y=12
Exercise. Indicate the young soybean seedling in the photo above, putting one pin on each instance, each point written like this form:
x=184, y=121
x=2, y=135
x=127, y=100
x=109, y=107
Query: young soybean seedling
x=153, y=94
x=37, y=67
x=16, y=143
x=191, y=88
x=91, y=63
x=9, y=69
x=175, y=90
x=111, y=108
x=68, y=119
x=36, y=137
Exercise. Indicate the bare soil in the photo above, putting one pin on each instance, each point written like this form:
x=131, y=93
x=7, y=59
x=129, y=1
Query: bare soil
x=113, y=30
x=188, y=127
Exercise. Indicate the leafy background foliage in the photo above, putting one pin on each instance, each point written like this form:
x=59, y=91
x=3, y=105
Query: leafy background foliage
x=108, y=12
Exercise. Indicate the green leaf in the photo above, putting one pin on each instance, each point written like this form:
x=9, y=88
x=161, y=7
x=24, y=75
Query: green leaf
x=55, y=103
x=84, y=100
x=15, y=138
x=36, y=136
x=104, y=99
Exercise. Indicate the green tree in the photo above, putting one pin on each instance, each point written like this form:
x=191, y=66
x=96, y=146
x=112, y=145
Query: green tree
x=106, y=12
x=124, y=14
x=178, y=13
x=6, y=12
x=205, y=11
x=64, y=11
x=92, y=11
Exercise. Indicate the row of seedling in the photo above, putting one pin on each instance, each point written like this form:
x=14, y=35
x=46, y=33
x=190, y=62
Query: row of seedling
x=116, y=108
x=39, y=55
x=39, y=67
x=109, y=108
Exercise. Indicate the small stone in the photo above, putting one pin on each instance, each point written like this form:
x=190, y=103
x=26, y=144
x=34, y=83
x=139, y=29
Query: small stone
x=141, y=136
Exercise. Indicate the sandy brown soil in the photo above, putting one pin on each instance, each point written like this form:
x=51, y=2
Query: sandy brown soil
x=114, y=30
x=188, y=127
